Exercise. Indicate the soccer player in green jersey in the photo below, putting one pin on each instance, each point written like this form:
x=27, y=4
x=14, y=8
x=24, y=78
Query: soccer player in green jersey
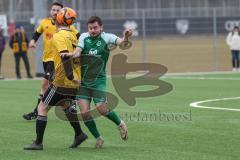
x=94, y=44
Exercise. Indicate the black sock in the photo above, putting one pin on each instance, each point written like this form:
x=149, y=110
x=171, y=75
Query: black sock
x=41, y=124
x=73, y=119
x=39, y=100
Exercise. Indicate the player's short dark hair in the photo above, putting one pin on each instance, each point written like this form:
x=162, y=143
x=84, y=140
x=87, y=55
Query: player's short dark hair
x=94, y=19
x=57, y=4
x=236, y=27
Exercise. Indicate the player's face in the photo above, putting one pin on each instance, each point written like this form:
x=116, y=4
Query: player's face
x=54, y=11
x=94, y=29
x=235, y=30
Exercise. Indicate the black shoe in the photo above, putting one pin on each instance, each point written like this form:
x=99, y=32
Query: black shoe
x=78, y=140
x=30, y=116
x=34, y=146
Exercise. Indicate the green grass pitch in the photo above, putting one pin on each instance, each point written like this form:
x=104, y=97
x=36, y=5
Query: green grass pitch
x=199, y=134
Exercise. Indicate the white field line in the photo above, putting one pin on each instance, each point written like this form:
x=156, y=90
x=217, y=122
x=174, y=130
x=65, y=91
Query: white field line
x=204, y=78
x=198, y=104
x=167, y=75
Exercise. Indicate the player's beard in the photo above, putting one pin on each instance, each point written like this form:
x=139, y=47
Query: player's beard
x=95, y=35
x=54, y=17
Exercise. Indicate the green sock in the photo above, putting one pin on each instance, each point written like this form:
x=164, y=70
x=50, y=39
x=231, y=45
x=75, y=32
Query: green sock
x=113, y=117
x=91, y=125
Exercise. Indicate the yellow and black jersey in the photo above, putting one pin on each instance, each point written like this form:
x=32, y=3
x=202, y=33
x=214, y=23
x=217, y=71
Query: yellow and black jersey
x=65, y=41
x=47, y=27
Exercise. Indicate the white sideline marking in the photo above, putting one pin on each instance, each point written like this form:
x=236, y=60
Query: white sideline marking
x=204, y=78
x=197, y=104
x=23, y=79
x=201, y=73
x=167, y=75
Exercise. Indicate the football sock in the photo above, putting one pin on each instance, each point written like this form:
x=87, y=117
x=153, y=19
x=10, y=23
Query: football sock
x=113, y=117
x=91, y=125
x=73, y=119
x=41, y=124
x=39, y=100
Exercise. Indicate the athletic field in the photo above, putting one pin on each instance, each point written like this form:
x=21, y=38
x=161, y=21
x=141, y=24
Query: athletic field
x=160, y=128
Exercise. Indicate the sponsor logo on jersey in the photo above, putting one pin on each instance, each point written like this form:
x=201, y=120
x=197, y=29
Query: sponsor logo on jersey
x=93, y=51
x=99, y=43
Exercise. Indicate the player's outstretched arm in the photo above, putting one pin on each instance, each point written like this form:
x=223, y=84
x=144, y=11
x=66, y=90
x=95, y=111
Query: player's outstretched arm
x=124, y=42
x=126, y=34
x=76, y=53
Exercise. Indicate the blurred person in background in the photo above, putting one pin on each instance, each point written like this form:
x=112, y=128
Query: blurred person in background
x=233, y=41
x=2, y=47
x=19, y=42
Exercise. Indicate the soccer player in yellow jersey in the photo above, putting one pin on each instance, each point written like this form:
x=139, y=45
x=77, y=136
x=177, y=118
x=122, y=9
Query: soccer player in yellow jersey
x=65, y=82
x=47, y=28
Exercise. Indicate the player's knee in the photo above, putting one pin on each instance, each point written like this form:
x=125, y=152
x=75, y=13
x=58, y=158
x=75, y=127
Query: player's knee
x=42, y=109
x=86, y=115
x=45, y=83
x=102, y=109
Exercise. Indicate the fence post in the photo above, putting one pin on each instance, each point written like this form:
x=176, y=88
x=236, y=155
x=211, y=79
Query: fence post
x=10, y=12
x=215, y=47
x=144, y=50
x=39, y=11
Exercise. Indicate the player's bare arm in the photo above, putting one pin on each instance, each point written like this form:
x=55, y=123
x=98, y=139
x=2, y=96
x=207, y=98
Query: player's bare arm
x=76, y=53
x=32, y=43
x=125, y=43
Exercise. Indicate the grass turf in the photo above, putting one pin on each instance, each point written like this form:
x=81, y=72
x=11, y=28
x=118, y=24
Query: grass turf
x=200, y=134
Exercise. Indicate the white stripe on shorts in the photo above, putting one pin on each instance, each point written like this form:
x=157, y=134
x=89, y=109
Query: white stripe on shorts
x=50, y=95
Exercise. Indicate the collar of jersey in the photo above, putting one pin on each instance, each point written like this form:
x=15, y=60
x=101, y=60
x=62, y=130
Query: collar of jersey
x=52, y=21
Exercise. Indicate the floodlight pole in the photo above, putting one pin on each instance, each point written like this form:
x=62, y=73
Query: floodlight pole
x=11, y=13
x=144, y=37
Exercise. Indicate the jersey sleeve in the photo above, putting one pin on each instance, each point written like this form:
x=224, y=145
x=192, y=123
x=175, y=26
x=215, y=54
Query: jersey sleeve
x=81, y=40
x=110, y=38
x=40, y=27
x=59, y=42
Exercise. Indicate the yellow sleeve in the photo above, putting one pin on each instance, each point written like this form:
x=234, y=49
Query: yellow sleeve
x=40, y=27
x=59, y=42
x=74, y=30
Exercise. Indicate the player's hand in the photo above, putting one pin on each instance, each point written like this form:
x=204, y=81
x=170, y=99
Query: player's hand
x=66, y=54
x=78, y=82
x=128, y=32
x=32, y=44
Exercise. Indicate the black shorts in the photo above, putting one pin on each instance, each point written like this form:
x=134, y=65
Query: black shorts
x=55, y=96
x=48, y=70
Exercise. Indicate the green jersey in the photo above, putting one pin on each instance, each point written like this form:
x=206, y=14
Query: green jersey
x=94, y=56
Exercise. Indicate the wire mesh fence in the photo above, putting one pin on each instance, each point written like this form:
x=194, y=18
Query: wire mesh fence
x=183, y=39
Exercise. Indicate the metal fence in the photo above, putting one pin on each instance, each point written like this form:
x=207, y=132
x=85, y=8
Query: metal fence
x=185, y=41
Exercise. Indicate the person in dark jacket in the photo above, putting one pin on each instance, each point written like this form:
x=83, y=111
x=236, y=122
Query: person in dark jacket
x=2, y=47
x=19, y=44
